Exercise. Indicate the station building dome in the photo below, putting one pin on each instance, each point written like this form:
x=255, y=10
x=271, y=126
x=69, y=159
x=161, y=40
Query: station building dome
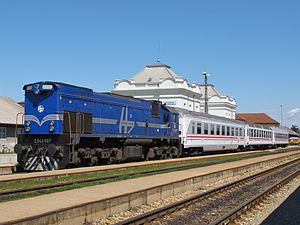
x=160, y=82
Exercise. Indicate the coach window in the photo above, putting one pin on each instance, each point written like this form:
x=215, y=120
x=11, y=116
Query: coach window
x=232, y=131
x=223, y=130
x=218, y=130
x=228, y=131
x=212, y=129
x=205, y=128
x=198, y=128
x=193, y=128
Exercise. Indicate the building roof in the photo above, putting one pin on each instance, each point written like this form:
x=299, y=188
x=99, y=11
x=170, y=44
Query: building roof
x=291, y=132
x=258, y=118
x=154, y=74
x=9, y=110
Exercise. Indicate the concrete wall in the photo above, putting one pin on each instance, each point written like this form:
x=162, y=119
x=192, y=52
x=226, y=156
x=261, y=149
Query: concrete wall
x=8, y=159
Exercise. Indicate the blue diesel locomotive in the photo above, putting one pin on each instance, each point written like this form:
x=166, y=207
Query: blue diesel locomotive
x=67, y=126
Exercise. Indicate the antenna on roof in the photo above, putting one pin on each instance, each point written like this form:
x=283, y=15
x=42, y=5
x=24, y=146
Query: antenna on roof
x=158, y=53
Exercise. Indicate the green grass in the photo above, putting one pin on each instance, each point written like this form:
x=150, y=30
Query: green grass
x=124, y=175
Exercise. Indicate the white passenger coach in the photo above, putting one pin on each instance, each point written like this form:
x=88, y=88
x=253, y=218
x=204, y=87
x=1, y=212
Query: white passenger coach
x=202, y=132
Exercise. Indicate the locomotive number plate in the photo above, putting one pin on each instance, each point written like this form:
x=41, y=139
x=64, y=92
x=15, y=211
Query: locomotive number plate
x=42, y=140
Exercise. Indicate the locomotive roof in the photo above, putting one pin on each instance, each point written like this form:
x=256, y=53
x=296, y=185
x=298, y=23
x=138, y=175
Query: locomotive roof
x=123, y=96
x=57, y=84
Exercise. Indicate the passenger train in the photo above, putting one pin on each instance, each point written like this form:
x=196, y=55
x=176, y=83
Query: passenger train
x=69, y=126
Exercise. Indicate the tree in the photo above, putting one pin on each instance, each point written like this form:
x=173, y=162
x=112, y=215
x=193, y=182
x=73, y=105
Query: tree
x=295, y=128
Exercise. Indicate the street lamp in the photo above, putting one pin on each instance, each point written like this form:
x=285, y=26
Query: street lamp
x=205, y=93
x=280, y=115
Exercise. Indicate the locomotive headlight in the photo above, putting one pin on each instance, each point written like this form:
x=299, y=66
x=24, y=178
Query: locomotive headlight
x=51, y=126
x=27, y=126
x=36, y=89
x=27, y=129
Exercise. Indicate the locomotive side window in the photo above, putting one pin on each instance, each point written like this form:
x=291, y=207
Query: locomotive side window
x=88, y=122
x=69, y=119
x=174, y=118
x=166, y=117
x=80, y=122
x=155, y=107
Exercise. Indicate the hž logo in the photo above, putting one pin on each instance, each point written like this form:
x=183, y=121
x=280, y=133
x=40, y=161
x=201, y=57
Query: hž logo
x=40, y=108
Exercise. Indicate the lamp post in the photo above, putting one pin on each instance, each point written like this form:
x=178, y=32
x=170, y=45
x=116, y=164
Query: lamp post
x=205, y=93
x=280, y=115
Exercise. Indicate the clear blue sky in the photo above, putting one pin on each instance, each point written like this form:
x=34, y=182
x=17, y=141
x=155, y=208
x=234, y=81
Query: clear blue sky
x=250, y=48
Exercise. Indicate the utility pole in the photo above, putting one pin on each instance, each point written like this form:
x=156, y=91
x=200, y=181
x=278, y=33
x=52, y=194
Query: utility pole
x=205, y=93
x=280, y=115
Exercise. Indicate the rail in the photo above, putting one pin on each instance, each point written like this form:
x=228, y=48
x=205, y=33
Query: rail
x=243, y=208
x=160, y=212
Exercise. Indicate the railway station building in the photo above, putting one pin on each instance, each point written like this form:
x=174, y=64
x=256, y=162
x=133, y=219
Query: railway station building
x=258, y=118
x=160, y=82
x=9, y=110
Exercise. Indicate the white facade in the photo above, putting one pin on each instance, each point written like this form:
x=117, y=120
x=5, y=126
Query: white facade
x=10, y=114
x=160, y=82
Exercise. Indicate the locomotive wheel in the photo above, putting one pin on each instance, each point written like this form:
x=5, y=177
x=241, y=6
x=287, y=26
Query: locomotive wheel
x=150, y=155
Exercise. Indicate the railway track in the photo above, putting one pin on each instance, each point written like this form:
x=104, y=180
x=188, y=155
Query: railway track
x=8, y=194
x=102, y=178
x=225, y=204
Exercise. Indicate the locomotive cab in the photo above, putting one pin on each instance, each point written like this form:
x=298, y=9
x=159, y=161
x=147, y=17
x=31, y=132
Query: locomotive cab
x=41, y=146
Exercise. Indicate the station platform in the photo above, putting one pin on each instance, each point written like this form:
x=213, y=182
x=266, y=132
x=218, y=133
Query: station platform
x=79, y=205
x=7, y=168
x=287, y=213
x=7, y=163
